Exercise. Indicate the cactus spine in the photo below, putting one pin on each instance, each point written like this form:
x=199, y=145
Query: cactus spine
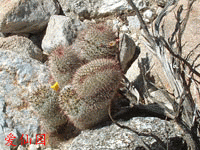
x=93, y=86
x=63, y=63
x=82, y=112
x=96, y=42
x=45, y=102
x=98, y=76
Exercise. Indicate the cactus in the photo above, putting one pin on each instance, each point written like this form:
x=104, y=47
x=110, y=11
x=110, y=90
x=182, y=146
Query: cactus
x=85, y=112
x=45, y=102
x=96, y=42
x=63, y=63
x=98, y=77
x=86, y=101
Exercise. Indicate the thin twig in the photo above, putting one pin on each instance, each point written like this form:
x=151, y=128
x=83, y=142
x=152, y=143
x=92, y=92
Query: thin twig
x=179, y=57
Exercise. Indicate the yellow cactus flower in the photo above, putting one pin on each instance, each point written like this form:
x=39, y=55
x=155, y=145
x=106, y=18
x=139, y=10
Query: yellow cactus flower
x=112, y=43
x=55, y=86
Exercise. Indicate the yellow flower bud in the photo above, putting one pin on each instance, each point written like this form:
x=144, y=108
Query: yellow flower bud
x=55, y=86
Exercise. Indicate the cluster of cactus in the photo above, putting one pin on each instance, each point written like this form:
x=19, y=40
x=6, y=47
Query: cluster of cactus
x=93, y=86
x=88, y=76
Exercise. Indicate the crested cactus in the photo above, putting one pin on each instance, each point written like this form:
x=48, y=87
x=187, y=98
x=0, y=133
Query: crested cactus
x=45, y=102
x=85, y=112
x=98, y=76
x=94, y=85
x=63, y=63
x=96, y=42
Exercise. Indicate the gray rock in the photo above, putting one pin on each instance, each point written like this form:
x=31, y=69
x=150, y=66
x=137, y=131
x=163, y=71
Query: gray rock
x=127, y=51
x=31, y=16
x=161, y=3
x=134, y=23
x=112, y=6
x=98, y=8
x=25, y=122
x=149, y=15
x=113, y=137
x=1, y=34
x=61, y=30
x=20, y=147
x=33, y=147
x=19, y=75
x=81, y=7
x=21, y=45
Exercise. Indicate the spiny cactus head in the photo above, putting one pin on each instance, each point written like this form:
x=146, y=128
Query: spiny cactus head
x=96, y=42
x=92, y=114
x=45, y=103
x=63, y=62
x=41, y=95
x=82, y=112
x=98, y=77
x=69, y=101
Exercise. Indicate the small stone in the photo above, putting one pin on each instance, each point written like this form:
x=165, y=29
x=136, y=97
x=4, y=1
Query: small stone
x=134, y=23
x=61, y=30
x=127, y=51
x=124, y=28
x=1, y=34
x=33, y=147
x=161, y=3
x=149, y=15
x=20, y=147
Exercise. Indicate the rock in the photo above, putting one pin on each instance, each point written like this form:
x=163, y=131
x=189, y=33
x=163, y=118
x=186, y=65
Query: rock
x=161, y=3
x=33, y=147
x=97, y=8
x=31, y=16
x=1, y=34
x=112, y=6
x=61, y=30
x=81, y=7
x=19, y=75
x=25, y=122
x=113, y=137
x=124, y=28
x=133, y=23
x=127, y=51
x=20, y=147
x=21, y=45
x=149, y=15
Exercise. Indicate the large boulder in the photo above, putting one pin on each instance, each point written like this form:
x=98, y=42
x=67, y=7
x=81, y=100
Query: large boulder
x=19, y=75
x=97, y=8
x=114, y=137
x=30, y=16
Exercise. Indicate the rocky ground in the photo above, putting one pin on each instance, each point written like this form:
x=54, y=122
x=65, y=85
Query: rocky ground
x=31, y=30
